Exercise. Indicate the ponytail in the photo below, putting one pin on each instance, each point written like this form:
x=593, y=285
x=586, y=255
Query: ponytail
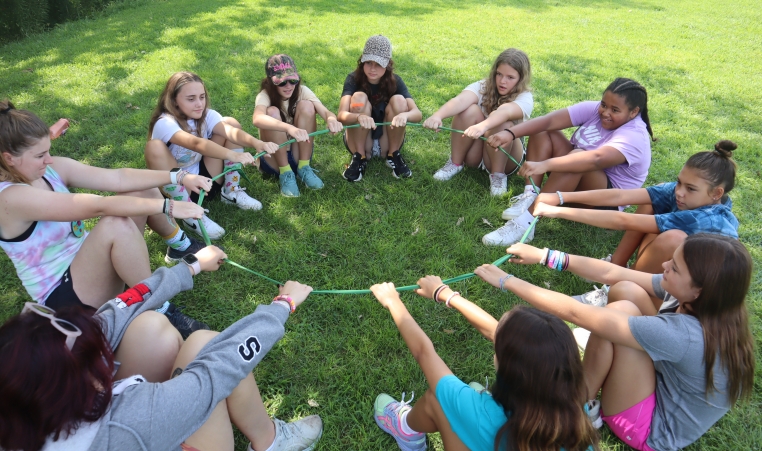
x=19, y=130
x=635, y=95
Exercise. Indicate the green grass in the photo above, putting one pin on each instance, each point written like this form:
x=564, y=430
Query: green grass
x=700, y=61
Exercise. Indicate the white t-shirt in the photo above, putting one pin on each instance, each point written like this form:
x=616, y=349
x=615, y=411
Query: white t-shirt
x=305, y=93
x=525, y=101
x=167, y=126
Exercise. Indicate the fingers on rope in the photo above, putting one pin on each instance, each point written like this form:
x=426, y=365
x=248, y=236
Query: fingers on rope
x=238, y=167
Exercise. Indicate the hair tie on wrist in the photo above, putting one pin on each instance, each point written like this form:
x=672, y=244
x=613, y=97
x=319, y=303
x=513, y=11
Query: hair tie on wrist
x=503, y=280
x=447, y=302
x=286, y=298
x=560, y=198
x=512, y=134
x=439, y=290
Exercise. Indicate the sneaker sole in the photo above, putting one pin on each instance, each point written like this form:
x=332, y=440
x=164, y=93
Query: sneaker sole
x=409, y=174
x=168, y=259
x=227, y=201
x=350, y=180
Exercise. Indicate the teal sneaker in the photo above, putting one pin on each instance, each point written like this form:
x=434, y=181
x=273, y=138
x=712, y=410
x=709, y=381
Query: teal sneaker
x=288, y=184
x=308, y=176
x=387, y=413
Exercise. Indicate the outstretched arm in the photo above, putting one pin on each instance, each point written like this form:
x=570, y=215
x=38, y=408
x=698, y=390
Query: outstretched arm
x=612, y=220
x=556, y=120
x=417, y=341
x=610, y=324
x=599, y=197
x=454, y=106
x=242, y=138
x=481, y=320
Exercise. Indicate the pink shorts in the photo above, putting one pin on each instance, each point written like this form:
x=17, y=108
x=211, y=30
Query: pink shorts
x=634, y=424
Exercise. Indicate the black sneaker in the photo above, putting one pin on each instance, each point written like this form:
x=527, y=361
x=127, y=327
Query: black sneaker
x=399, y=168
x=356, y=168
x=182, y=322
x=174, y=255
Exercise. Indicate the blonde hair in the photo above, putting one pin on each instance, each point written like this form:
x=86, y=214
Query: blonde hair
x=517, y=60
x=19, y=130
x=167, y=102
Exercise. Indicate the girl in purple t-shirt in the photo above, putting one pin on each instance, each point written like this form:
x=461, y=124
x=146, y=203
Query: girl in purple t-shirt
x=610, y=149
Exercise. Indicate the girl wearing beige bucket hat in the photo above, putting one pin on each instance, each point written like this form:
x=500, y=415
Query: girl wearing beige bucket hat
x=374, y=93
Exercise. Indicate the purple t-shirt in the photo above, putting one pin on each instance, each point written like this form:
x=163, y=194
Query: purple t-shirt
x=631, y=139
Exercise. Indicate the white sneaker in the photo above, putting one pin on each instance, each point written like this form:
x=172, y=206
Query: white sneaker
x=581, y=336
x=483, y=167
x=594, y=413
x=213, y=229
x=519, y=204
x=598, y=297
x=300, y=435
x=375, y=152
x=241, y=200
x=508, y=234
x=498, y=184
x=448, y=171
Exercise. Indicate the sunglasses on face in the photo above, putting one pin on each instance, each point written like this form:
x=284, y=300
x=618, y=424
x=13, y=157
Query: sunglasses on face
x=290, y=82
x=70, y=330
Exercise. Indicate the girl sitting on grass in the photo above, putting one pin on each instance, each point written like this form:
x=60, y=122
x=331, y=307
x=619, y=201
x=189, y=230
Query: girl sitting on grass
x=42, y=230
x=697, y=202
x=610, y=149
x=664, y=379
x=208, y=386
x=488, y=106
x=374, y=93
x=538, y=397
x=286, y=108
x=184, y=132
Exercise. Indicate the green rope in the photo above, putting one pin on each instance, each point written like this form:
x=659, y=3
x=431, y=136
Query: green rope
x=238, y=167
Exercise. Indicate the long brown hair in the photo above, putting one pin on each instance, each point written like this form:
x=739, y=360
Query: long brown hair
x=517, y=60
x=19, y=130
x=540, y=384
x=387, y=86
x=276, y=100
x=168, y=103
x=716, y=166
x=721, y=267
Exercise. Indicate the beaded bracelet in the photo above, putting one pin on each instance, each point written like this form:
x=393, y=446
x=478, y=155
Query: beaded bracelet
x=286, y=298
x=560, y=198
x=447, y=302
x=503, y=280
x=439, y=290
x=181, y=175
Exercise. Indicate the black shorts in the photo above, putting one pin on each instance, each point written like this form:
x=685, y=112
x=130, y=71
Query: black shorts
x=216, y=187
x=64, y=296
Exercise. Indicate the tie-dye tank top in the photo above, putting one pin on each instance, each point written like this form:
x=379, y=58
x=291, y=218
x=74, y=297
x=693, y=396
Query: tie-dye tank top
x=45, y=251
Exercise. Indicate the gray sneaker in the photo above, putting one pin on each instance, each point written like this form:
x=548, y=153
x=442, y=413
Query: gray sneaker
x=300, y=435
x=598, y=297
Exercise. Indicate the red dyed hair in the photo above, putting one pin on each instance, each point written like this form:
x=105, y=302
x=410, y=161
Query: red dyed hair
x=45, y=389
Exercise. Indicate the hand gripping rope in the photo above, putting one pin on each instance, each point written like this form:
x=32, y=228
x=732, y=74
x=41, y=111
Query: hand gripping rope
x=239, y=168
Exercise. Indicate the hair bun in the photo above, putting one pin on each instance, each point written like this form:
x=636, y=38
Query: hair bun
x=725, y=148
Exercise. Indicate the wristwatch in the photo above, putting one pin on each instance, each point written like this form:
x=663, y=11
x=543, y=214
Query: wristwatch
x=173, y=175
x=192, y=262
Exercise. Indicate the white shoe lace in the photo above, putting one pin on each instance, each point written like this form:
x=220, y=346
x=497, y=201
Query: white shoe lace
x=597, y=295
x=404, y=403
x=516, y=201
x=509, y=228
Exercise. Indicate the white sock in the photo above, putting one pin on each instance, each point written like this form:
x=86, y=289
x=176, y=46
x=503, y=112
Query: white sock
x=528, y=189
x=525, y=219
x=404, y=426
x=231, y=178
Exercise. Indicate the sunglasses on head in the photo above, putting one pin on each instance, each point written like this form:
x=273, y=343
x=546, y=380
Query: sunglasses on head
x=70, y=330
x=290, y=82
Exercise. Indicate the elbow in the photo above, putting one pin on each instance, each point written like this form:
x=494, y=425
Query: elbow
x=423, y=351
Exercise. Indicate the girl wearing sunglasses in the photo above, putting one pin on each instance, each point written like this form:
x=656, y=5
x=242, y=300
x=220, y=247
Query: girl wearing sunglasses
x=87, y=406
x=285, y=108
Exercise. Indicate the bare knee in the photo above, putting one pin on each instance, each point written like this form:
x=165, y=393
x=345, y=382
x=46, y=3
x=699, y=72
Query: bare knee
x=150, y=329
x=625, y=290
x=627, y=307
x=156, y=152
x=231, y=121
x=305, y=107
x=670, y=240
x=198, y=340
x=273, y=111
x=358, y=102
x=398, y=104
x=117, y=226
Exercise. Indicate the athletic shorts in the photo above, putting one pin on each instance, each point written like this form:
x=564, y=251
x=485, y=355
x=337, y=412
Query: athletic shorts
x=64, y=296
x=216, y=187
x=633, y=425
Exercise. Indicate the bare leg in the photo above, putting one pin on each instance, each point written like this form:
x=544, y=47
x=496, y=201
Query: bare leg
x=631, y=240
x=150, y=330
x=464, y=149
x=625, y=375
x=158, y=222
x=281, y=155
x=495, y=160
x=357, y=138
x=630, y=291
x=395, y=135
x=304, y=118
x=244, y=406
x=427, y=416
x=659, y=250
x=546, y=145
x=114, y=253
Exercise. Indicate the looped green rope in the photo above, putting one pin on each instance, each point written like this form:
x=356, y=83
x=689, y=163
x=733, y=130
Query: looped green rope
x=238, y=167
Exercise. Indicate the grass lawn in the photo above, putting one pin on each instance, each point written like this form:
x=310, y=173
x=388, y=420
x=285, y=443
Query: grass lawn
x=699, y=60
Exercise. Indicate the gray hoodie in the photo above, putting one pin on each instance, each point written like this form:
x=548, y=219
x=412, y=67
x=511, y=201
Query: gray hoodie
x=160, y=416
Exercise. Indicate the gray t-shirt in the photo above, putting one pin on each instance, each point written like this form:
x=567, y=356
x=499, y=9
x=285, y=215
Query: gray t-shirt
x=670, y=303
x=675, y=343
